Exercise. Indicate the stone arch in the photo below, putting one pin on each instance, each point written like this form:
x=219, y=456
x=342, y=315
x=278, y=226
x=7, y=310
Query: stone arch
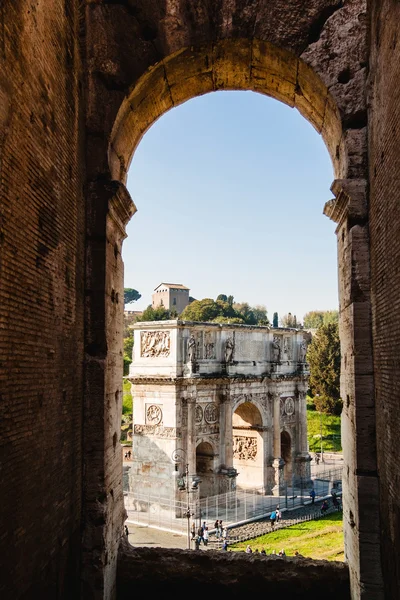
x=239, y=64
x=309, y=61
x=248, y=445
x=286, y=451
x=205, y=456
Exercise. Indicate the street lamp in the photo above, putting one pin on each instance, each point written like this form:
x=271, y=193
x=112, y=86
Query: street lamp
x=179, y=456
x=320, y=432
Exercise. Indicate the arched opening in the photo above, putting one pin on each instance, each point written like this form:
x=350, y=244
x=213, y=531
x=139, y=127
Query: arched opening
x=272, y=72
x=205, y=469
x=253, y=449
x=286, y=450
x=248, y=446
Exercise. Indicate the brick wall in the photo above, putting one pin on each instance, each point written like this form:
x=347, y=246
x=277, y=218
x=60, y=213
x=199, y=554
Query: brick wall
x=41, y=299
x=385, y=262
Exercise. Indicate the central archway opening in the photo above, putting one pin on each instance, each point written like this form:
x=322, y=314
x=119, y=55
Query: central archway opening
x=214, y=241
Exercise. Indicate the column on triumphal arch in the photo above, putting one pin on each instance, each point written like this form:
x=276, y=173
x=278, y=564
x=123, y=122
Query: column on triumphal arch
x=225, y=430
x=191, y=431
x=278, y=462
x=302, y=455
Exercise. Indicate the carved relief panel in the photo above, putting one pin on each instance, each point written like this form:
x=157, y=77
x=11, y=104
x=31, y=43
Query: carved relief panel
x=244, y=448
x=155, y=343
x=209, y=345
x=211, y=413
x=287, y=348
x=288, y=408
x=154, y=414
x=199, y=414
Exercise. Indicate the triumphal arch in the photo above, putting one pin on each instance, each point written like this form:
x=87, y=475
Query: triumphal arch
x=231, y=397
x=81, y=81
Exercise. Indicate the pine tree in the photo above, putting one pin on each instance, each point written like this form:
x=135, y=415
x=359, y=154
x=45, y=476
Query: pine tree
x=323, y=357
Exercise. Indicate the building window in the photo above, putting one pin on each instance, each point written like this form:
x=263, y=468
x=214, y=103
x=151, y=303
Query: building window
x=174, y=302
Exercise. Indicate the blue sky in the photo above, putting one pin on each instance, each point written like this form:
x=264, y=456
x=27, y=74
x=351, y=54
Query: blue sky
x=230, y=189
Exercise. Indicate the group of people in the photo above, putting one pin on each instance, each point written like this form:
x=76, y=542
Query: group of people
x=201, y=535
x=220, y=530
x=249, y=550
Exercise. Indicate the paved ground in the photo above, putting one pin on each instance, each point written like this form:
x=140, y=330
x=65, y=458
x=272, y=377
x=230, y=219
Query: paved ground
x=150, y=537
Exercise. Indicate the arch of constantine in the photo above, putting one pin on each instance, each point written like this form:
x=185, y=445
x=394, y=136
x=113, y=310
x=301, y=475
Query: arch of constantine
x=232, y=397
x=81, y=81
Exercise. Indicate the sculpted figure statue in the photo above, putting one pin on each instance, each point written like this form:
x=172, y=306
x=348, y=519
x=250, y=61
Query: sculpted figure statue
x=192, y=349
x=229, y=347
x=303, y=351
x=275, y=350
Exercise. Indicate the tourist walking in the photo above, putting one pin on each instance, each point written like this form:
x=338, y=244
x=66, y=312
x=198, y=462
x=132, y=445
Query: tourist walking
x=205, y=536
x=312, y=496
x=216, y=527
x=278, y=514
x=200, y=534
x=193, y=531
x=272, y=519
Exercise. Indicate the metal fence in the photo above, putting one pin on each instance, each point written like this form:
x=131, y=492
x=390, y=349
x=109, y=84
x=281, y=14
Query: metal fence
x=232, y=508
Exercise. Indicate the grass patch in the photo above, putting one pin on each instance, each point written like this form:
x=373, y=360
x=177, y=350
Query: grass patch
x=127, y=400
x=319, y=539
x=331, y=436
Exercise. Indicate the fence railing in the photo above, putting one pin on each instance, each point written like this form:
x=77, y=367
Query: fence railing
x=243, y=505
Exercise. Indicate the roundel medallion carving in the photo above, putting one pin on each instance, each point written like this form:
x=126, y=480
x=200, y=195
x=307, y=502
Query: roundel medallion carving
x=289, y=406
x=153, y=414
x=199, y=415
x=211, y=413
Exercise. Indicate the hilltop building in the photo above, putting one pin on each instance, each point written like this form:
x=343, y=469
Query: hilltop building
x=172, y=296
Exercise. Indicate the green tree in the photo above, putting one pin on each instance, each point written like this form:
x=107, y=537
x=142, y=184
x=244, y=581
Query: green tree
x=323, y=357
x=237, y=320
x=260, y=314
x=128, y=348
x=316, y=318
x=154, y=314
x=289, y=320
x=202, y=310
x=275, y=320
x=244, y=310
x=222, y=297
x=131, y=295
x=331, y=316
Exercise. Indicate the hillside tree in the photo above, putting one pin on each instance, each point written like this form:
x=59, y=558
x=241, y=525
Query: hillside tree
x=323, y=357
x=131, y=295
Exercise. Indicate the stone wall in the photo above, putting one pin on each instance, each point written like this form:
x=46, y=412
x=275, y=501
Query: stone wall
x=41, y=299
x=385, y=261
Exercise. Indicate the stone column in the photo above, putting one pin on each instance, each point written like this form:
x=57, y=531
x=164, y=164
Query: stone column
x=191, y=432
x=222, y=429
x=360, y=478
x=303, y=458
x=277, y=426
x=109, y=208
x=228, y=432
x=278, y=463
